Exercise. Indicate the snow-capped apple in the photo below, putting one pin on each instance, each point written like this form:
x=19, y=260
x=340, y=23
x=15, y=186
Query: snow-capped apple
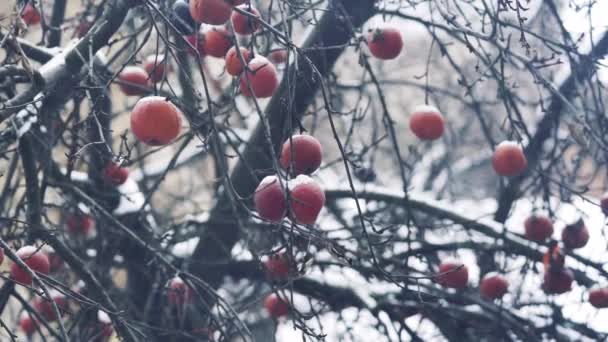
x=79, y=224
x=262, y=76
x=234, y=66
x=30, y=15
x=558, y=280
x=217, y=42
x=156, y=67
x=269, y=199
x=244, y=24
x=213, y=12
x=178, y=292
x=426, y=122
x=306, y=156
x=275, y=306
x=115, y=174
x=538, y=227
x=35, y=259
x=277, y=267
x=385, y=43
x=493, y=286
x=134, y=80
x=509, y=159
x=599, y=297
x=155, y=121
x=453, y=275
x=307, y=199
x=181, y=18
x=575, y=235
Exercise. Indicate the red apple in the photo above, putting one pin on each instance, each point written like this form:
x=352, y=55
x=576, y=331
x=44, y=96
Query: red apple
x=599, y=298
x=244, y=24
x=234, y=66
x=493, y=286
x=179, y=293
x=155, y=121
x=385, y=43
x=269, y=199
x=115, y=174
x=278, y=56
x=538, y=228
x=558, y=281
x=307, y=154
x=134, y=81
x=30, y=15
x=27, y=324
x=427, y=123
x=156, y=67
x=262, y=75
x=509, y=159
x=217, y=42
x=307, y=200
x=575, y=235
x=197, y=40
x=276, y=306
x=277, y=267
x=45, y=307
x=213, y=12
x=453, y=274
x=35, y=259
x=79, y=224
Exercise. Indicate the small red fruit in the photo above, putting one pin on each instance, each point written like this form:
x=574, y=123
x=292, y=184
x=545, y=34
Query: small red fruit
x=269, y=199
x=155, y=121
x=30, y=15
x=538, y=228
x=278, y=56
x=276, y=306
x=213, y=12
x=307, y=200
x=217, y=42
x=604, y=204
x=234, y=66
x=599, y=298
x=197, y=40
x=493, y=286
x=509, y=159
x=575, y=235
x=156, y=67
x=179, y=293
x=385, y=43
x=453, y=274
x=307, y=154
x=427, y=123
x=79, y=224
x=134, y=80
x=27, y=324
x=558, y=281
x=115, y=174
x=45, y=307
x=35, y=259
x=244, y=24
x=262, y=75
x=277, y=267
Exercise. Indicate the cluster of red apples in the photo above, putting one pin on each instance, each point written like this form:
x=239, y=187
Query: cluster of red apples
x=557, y=278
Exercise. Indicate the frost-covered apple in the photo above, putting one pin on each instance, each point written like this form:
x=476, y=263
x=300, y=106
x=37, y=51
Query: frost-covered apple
x=493, y=286
x=385, y=43
x=217, y=42
x=538, y=227
x=557, y=281
x=244, y=24
x=155, y=121
x=134, y=80
x=262, y=76
x=178, y=292
x=426, y=122
x=269, y=199
x=275, y=306
x=575, y=235
x=599, y=297
x=115, y=174
x=234, y=66
x=277, y=267
x=509, y=159
x=307, y=199
x=306, y=156
x=35, y=259
x=453, y=275
x=156, y=67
